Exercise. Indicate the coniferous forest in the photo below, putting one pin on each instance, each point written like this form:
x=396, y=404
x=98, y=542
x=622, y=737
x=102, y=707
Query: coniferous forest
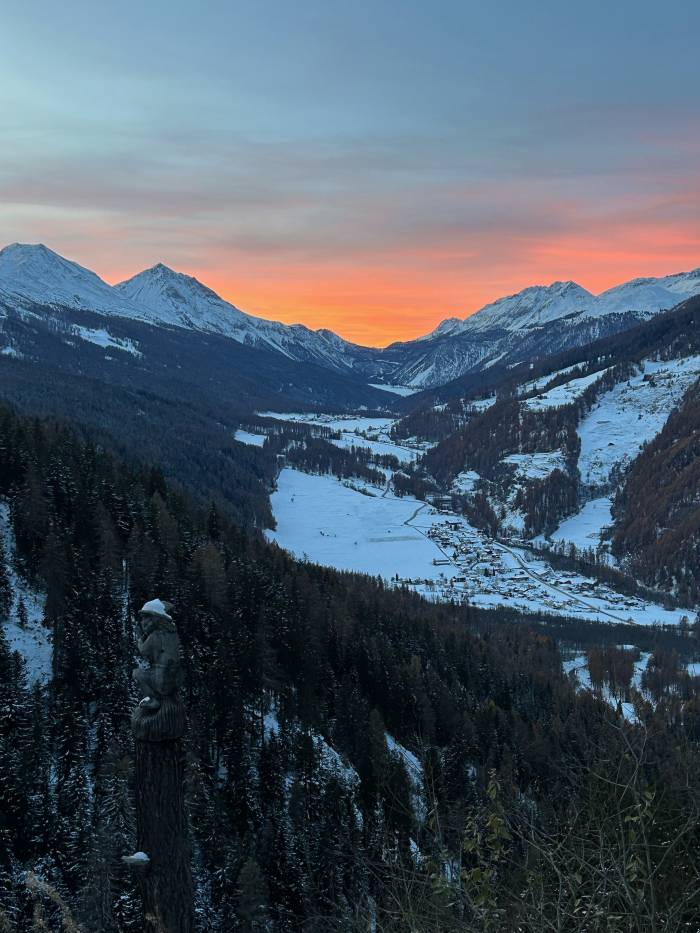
x=357, y=758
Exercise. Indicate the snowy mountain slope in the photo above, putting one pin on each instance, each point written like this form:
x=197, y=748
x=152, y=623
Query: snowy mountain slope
x=538, y=321
x=532, y=307
x=26, y=635
x=631, y=414
x=542, y=304
x=172, y=298
x=435, y=362
x=35, y=274
x=38, y=275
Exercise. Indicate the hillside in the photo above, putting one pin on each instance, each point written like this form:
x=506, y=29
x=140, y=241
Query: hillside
x=546, y=451
x=329, y=717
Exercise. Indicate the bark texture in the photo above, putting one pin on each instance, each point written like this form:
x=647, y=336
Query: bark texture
x=166, y=882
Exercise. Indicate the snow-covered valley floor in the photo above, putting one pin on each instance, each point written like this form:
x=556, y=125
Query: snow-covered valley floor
x=355, y=527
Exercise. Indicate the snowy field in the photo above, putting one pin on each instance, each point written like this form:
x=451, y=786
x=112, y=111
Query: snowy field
x=404, y=454
x=438, y=553
x=536, y=385
x=246, y=437
x=466, y=481
x=537, y=465
x=321, y=519
x=395, y=390
x=562, y=395
x=363, y=425
x=324, y=520
x=102, y=338
x=372, y=433
x=630, y=415
x=585, y=528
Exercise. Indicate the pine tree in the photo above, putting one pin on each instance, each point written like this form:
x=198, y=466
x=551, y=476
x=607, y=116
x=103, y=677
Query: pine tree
x=5, y=585
x=252, y=898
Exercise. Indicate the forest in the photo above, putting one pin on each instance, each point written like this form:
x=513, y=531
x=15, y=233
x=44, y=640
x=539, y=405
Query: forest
x=358, y=759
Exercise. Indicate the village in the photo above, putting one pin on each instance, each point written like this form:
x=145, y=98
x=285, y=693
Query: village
x=485, y=572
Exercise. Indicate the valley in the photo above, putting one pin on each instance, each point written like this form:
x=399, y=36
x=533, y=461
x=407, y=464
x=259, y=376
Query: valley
x=354, y=526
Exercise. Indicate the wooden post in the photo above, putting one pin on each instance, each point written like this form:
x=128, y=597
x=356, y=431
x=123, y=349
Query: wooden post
x=158, y=723
x=166, y=882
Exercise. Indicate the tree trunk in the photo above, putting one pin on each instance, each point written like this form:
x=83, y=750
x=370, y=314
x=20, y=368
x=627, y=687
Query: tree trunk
x=166, y=882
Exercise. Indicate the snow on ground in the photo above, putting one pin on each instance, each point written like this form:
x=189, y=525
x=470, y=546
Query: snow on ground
x=585, y=529
x=466, y=481
x=537, y=465
x=103, y=338
x=321, y=519
x=331, y=760
x=630, y=415
x=396, y=390
x=414, y=770
x=536, y=385
x=481, y=404
x=413, y=765
x=404, y=454
x=373, y=433
x=33, y=641
x=363, y=424
x=578, y=667
x=246, y=437
x=564, y=394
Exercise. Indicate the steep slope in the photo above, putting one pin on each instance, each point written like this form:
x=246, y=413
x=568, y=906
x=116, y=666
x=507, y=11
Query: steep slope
x=657, y=511
x=37, y=274
x=536, y=322
x=565, y=433
x=138, y=384
x=167, y=297
x=160, y=296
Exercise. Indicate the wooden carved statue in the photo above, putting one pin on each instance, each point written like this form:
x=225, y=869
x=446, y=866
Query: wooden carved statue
x=163, y=849
x=160, y=714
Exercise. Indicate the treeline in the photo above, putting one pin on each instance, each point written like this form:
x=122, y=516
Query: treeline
x=315, y=455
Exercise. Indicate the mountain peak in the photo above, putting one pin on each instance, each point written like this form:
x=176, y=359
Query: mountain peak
x=33, y=271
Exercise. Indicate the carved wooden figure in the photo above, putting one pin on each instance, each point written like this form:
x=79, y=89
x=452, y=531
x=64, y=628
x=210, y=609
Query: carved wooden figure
x=158, y=723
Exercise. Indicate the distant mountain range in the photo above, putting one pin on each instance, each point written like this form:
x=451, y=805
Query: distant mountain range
x=530, y=324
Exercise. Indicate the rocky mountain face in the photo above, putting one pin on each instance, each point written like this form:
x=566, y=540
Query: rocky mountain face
x=161, y=297
x=532, y=324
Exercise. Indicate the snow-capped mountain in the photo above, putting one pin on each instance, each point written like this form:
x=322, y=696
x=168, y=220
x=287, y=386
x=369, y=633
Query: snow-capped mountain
x=160, y=296
x=37, y=274
x=542, y=304
x=163, y=296
x=532, y=307
x=539, y=320
x=534, y=322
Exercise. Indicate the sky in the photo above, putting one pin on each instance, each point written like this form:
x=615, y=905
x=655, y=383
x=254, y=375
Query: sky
x=371, y=167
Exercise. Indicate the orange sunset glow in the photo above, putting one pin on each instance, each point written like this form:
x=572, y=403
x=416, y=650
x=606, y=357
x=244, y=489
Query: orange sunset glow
x=394, y=296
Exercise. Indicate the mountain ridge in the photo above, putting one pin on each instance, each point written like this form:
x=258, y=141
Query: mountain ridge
x=536, y=321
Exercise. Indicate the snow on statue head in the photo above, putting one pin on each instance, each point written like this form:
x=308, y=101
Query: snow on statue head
x=160, y=714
